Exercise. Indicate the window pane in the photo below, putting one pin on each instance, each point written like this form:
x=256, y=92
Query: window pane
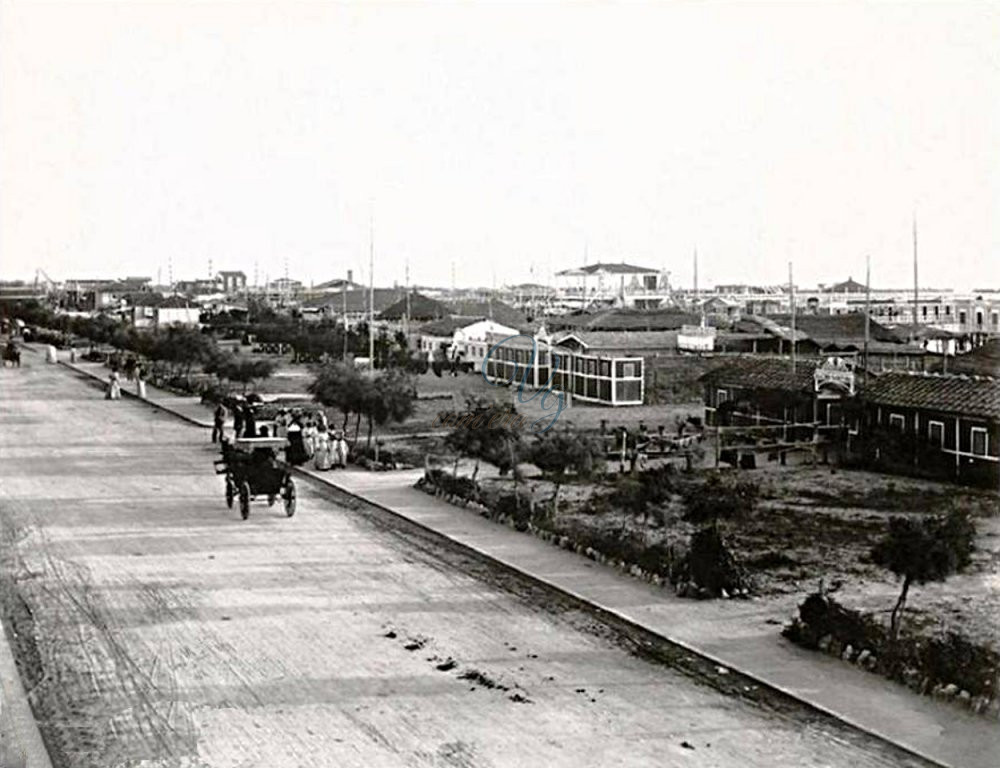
x=979, y=442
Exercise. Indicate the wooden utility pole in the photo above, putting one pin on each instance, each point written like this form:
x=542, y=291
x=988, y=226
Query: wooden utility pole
x=916, y=283
x=868, y=310
x=343, y=294
x=371, y=292
x=791, y=288
x=406, y=318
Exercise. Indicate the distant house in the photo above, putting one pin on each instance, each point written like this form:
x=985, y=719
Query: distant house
x=175, y=310
x=355, y=305
x=929, y=424
x=850, y=285
x=618, y=343
x=610, y=380
x=233, y=282
x=621, y=284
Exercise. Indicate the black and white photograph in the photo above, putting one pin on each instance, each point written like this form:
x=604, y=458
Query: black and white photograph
x=484, y=384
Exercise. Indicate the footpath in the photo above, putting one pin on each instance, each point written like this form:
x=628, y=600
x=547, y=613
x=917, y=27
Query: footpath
x=741, y=635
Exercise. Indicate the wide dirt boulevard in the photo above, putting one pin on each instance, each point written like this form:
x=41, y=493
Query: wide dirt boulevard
x=158, y=629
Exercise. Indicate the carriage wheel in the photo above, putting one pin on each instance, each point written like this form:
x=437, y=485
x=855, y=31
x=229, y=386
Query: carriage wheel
x=290, y=498
x=245, y=500
x=230, y=492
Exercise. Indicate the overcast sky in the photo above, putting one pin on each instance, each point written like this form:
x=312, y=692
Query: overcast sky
x=501, y=138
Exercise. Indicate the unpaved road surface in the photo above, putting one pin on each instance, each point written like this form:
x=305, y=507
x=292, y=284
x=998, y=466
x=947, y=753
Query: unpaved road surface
x=155, y=628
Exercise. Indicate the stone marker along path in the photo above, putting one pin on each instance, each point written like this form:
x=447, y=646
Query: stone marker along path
x=156, y=626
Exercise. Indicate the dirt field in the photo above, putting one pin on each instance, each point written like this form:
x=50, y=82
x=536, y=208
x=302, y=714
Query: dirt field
x=814, y=523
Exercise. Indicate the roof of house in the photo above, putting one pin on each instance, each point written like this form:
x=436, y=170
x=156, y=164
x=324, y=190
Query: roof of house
x=176, y=302
x=615, y=269
x=626, y=320
x=421, y=308
x=338, y=283
x=493, y=309
x=754, y=324
x=833, y=329
x=626, y=341
x=356, y=301
x=763, y=373
x=983, y=360
x=963, y=395
x=446, y=326
x=850, y=285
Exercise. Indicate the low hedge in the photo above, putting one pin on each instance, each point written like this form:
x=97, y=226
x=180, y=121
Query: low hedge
x=925, y=663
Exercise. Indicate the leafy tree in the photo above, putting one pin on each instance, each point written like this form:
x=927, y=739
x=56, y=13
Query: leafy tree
x=485, y=431
x=713, y=500
x=341, y=386
x=924, y=549
x=389, y=397
x=561, y=452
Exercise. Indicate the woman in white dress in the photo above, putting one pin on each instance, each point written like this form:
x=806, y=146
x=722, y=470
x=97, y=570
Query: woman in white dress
x=114, y=387
x=321, y=449
x=339, y=449
x=309, y=436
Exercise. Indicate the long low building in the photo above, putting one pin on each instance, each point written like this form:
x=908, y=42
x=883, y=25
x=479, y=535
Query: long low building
x=605, y=379
x=941, y=425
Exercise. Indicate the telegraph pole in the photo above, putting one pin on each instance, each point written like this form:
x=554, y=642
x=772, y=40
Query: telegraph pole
x=868, y=309
x=371, y=292
x=406, y=319
x=916, y=282
x=791, y=288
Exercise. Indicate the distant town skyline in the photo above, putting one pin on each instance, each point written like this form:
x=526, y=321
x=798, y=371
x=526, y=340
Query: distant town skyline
x=509, y=141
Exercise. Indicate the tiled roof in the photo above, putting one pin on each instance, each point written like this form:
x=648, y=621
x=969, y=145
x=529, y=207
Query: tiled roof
x=836, y=329
x=446, y=326
x=764, y=373
x=983, y=360
x=962, y=395
x=421, y=308
x=627, y=320
x=357, y=301
x=489, y=310
x=621, y=340
x=615, y=269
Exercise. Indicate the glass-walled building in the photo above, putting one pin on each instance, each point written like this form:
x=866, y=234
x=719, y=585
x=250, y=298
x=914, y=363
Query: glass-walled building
x=594, y=378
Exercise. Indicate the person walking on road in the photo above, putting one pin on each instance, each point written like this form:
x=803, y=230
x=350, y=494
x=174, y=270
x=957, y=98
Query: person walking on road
x=339, y=449
x=114, y=387
x=296, y=451
x=237, y=419
x=219, y=422
x=321, y=448
x=140, y=382
x=249, y=421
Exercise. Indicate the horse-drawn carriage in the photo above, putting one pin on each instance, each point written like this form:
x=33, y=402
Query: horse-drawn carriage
x=12, y=355
x=252, y=468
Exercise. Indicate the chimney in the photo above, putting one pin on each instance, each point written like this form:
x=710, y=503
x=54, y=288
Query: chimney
x=350, y=275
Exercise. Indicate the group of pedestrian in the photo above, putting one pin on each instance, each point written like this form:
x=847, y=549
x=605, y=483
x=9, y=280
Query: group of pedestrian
x=113, y=391
x=309, y=435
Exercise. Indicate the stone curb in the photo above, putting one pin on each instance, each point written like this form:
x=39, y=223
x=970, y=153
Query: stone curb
x=21, y=743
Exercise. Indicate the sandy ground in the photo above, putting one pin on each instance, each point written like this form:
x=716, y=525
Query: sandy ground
x=155, y=628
